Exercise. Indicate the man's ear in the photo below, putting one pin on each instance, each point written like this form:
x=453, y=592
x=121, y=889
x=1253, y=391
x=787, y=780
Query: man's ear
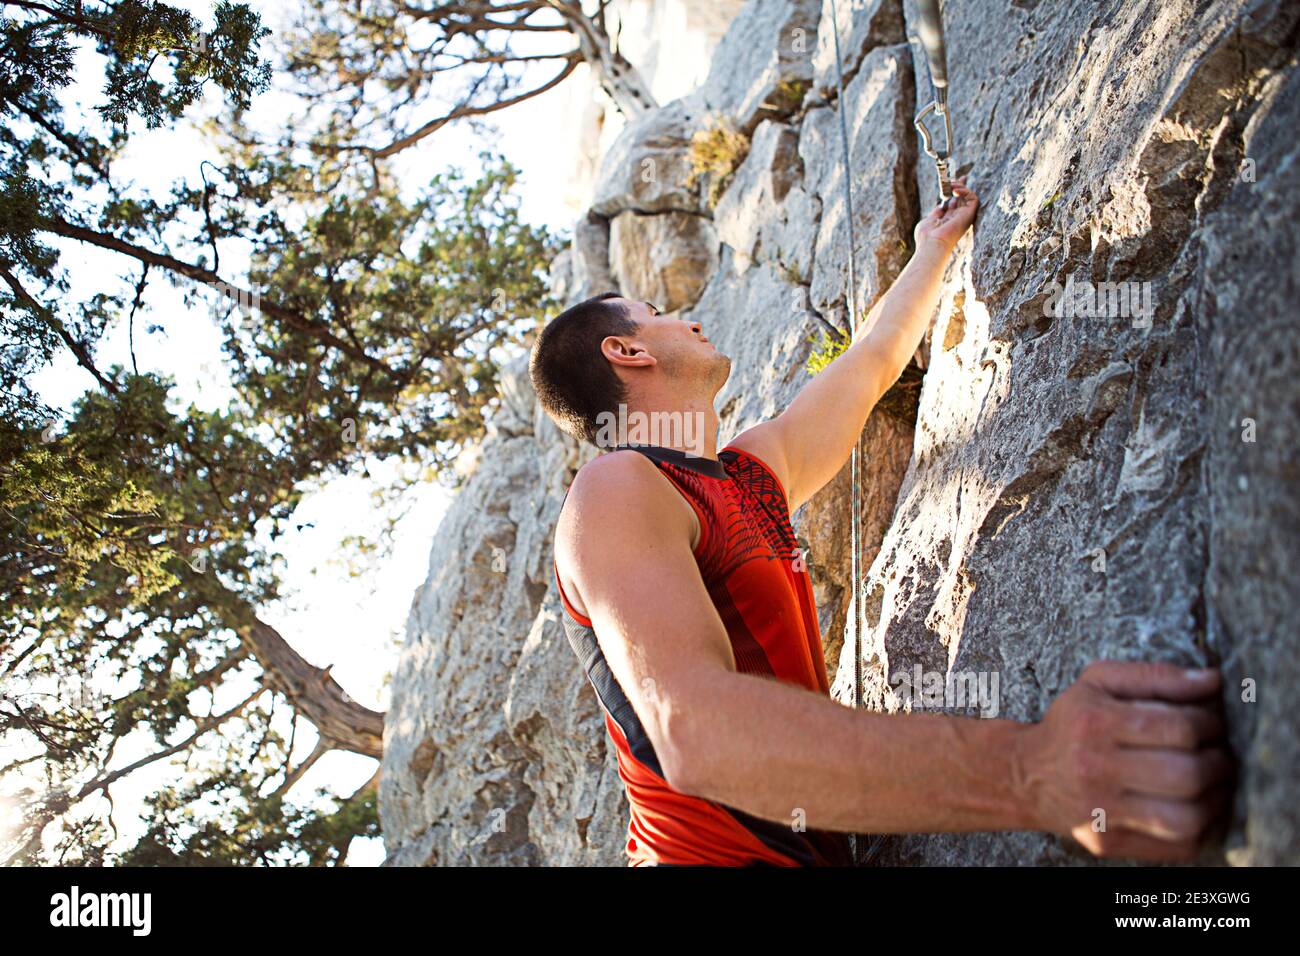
x=625, y=351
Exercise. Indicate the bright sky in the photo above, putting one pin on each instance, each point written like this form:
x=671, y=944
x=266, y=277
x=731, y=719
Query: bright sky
x=331, y=618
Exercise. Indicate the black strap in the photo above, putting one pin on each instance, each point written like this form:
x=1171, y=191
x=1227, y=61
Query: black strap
x=672, y=456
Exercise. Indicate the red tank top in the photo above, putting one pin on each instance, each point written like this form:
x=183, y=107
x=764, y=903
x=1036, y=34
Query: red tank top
x=750, y=562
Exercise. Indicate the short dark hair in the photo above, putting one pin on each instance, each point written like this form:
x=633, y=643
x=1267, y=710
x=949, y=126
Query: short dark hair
x=572, y=379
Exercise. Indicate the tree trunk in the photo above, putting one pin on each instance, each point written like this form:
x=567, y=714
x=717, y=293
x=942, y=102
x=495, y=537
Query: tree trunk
x=617, y=77
x=311, y=690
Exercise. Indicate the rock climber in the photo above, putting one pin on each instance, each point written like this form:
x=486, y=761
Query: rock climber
x=692, y=613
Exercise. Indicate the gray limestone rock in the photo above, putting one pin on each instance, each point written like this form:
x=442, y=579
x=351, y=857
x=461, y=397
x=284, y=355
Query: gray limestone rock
x=665, y=258
x=648, y=166
x=765, y=213
x=763, y=67
x=863, y=25
x=880, y=104
x=1079, y=487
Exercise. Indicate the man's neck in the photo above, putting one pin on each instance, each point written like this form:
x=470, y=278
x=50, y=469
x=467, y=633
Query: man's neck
x=690, y=427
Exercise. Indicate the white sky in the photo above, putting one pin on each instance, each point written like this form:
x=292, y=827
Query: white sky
x=331, y=618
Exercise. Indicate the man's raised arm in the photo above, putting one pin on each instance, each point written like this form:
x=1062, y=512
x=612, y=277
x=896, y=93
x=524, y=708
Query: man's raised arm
x=774, y=750
x=808, y=443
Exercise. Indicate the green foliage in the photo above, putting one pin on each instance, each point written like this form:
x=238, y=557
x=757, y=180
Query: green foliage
x=716, y=152
x=135, y=34
x=36, y=62
x=75, y=512
x=824, y=350
x=788, y=96
x=134, y=529
x=242, y=827
x=107, y=517
x=424, y=291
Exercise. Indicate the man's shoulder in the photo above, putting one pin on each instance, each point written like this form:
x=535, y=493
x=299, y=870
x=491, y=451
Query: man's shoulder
x=622, y=491
x=602, y=497
x=611, y=482
x=612, y=473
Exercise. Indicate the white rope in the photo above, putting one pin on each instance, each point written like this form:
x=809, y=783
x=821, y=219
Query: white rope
x=851, y=301
x=931, y=17
x=855, y=467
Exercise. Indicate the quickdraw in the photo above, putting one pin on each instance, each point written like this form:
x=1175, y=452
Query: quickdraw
x=936, y=54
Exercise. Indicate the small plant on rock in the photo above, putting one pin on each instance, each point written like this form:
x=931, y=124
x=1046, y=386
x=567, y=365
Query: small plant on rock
x=717, y=152
x=824, y=350
x=787, y=97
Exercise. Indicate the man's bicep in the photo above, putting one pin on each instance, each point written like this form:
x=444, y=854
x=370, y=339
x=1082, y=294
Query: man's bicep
x=656, y=625
x=645, y=597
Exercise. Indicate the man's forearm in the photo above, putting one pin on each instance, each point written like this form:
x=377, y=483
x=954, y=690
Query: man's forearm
x=773, y=750
x=888, y=337
x=819, y=428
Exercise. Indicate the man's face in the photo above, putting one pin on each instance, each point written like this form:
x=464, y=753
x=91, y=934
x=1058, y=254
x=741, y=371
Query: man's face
x=682, y=350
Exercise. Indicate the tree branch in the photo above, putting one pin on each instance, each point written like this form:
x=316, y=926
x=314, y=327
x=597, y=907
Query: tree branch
x=47, y=314
x=201, y=728
x=68, y=140
x=59, y=801
x=312, y=691
x=135, y=307
x=61, y=16
x=617, y=76
x=290, y=317
x=322, y=747
x=210, y=675
x=396, y=146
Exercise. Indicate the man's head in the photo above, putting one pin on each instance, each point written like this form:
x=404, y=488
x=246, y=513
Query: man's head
x=609, y=351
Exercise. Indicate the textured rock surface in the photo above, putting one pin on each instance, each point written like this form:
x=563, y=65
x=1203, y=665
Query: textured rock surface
x=664, y=259
x=763, y=62
x=1069, y=488
x=766, y=213
x=880, y=108
x=462, y=773
x=648, y=166
x=1247, y=324
x=1074, y=491
x=670, y=41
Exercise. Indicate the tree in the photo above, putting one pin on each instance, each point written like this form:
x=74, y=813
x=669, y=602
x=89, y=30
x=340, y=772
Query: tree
x=385, y=74
x=134, y=532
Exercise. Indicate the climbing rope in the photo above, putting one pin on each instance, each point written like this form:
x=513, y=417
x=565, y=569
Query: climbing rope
x=855, y=467
x=931, y=33
x=851, y=300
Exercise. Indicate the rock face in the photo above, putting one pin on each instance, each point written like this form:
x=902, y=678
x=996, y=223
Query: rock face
x=763, y=62
x=1082, y=476
x=664, y=259
x=1079, y=485
x=670, y=41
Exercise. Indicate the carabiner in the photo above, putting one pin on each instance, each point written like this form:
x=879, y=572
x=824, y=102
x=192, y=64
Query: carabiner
x=940, y=157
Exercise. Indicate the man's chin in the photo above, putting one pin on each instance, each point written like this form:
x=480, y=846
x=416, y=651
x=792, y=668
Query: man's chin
x=723, y=368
